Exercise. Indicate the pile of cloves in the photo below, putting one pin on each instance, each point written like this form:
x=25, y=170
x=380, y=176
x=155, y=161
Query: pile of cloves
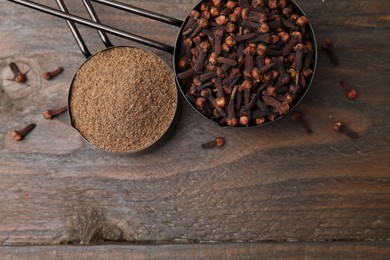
x=245, y=62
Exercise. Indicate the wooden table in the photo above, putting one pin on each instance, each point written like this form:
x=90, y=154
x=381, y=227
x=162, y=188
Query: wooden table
x=270, y=192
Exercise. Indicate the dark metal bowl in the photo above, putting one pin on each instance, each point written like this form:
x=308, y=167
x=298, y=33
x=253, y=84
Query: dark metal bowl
x=297, y=9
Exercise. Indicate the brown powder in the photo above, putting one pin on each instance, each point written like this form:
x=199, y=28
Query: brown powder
x=123, y=99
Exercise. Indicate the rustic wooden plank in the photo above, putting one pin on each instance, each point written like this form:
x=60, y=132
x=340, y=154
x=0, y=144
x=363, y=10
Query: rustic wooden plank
x=273, y=183
x=326, y=250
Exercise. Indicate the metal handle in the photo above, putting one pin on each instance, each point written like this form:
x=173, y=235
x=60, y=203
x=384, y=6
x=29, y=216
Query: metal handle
x=141, y=12
x=76, y=34
x=97, y=25
x=103, y=36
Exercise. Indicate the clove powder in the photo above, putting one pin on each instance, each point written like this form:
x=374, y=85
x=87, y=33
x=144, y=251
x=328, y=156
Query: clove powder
x=123, y=99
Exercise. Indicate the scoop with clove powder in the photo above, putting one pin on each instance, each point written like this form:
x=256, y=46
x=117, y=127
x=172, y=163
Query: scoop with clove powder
x=123, y=99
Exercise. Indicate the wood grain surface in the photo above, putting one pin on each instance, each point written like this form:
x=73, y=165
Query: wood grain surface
x=324, y=250
x=274, y=183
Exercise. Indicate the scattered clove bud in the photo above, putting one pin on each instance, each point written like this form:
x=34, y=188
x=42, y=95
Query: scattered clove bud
x=50, y=114
x=350, y=92
x=217, y=142
x=49, y=75
x=298, y=118
x=342, y=128
x=327, y=46
x=19, y=135
x=19, y=77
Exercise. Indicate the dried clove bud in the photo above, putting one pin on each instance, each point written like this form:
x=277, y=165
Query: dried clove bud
x=19, y=135
x=342, y=128
x=327, y=46
x=218, y=142
x=298, y=118
x=350, y=92
x=50, y=114
x=19, y=77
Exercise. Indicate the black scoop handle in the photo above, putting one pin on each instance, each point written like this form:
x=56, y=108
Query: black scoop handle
x=72, y=19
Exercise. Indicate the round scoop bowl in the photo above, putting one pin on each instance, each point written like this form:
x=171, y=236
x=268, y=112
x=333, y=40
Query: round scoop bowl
x=212, y=112
x=124, y=100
